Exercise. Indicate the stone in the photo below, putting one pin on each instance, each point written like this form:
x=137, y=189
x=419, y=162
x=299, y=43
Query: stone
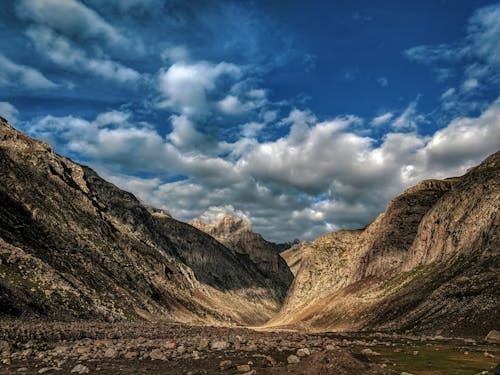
x=181, y=349
x=368, y=351
x=303, y=352
x=493, y=337
x=330, y=347
x=292, y=359
x=219, y=345
x=131, y=355
x=488, y=355
x=244, y=368
x=110, y=353
x=80, y=369
x=157, y=354
x=225, y=365
x=204, y=343
x=47, y=369
x=22, y=369
x=169, y=345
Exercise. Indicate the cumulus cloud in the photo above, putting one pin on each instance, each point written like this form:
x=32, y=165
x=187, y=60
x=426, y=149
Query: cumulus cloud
x=328, y=178
x=215, y=213
x=186, y=86
x=15, y=75
x=63, y=52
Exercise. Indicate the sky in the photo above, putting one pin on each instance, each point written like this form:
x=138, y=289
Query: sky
x=301, y=117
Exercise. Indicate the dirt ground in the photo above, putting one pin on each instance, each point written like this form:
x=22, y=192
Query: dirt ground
x=125, y=348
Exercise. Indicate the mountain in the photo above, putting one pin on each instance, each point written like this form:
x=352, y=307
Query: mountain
x=429, y=263
x=293, y=255
x=74, y=246
x=237, y=235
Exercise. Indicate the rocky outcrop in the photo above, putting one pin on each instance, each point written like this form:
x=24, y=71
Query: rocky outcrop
x=430, y=262
x=237, y=234
x=73, y=246
x=293, y=255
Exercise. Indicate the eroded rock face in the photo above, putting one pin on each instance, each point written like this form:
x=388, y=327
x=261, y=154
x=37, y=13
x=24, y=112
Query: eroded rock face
x=293, y=255
x=75, y=246
x=237, y=234
x=430, y=262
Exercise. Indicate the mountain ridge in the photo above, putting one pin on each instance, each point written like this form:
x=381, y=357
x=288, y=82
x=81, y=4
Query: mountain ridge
x=429, y=263
x=74, y=246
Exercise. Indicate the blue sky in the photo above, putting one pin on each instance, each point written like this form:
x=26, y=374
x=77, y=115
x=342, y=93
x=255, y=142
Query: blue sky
x=302, y=117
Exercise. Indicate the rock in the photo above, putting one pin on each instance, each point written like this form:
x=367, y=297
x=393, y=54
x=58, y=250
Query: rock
x=225, y=365
x=22, y=369
x=488, y=355
x=170, y=345
x=80, y=369
x=47, y=369
x=368, y=351
x=181, y=349
x=330, y=347
x=204, y=343
x=110, y=353
x=157, y=354
x=244, y=368
x=5, y=346
x=131, y=355
x=303, y=352
x=269, y=361
x=292, y=359
x=219, y=345
x=493, y=336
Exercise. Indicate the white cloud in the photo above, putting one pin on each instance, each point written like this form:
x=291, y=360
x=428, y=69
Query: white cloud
x=383, y=81
x=9, y=112
x=175, y=54
x=185, y=86
x=62, y=51
x=17, y=75
x=382, y=119
x=214, y=214
x=231, y=105
x=70, y=18
x=448, y=93
x=408, y=119
x=470, y=84
x=329, y=177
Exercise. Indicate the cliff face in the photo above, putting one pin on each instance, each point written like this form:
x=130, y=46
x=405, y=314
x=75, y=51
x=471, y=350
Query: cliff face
x=430, y=263
x=293, y=255
x=73, y=246
x=237, y=235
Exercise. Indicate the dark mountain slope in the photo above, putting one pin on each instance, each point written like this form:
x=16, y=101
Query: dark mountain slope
x=73, y=246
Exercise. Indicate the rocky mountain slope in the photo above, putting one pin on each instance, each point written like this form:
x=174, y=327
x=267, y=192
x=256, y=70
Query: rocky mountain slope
x=429, y=263
x=293, y=255
x=73, y=246
x=237, y=234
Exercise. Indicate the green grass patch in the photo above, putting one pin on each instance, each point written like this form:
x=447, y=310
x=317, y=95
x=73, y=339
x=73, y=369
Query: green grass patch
x=439, y=359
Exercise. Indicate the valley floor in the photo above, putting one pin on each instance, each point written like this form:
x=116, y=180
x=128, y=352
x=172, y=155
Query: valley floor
x=136, y=348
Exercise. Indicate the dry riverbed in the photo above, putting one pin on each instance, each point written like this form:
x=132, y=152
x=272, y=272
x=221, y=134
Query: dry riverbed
x=129, y=348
